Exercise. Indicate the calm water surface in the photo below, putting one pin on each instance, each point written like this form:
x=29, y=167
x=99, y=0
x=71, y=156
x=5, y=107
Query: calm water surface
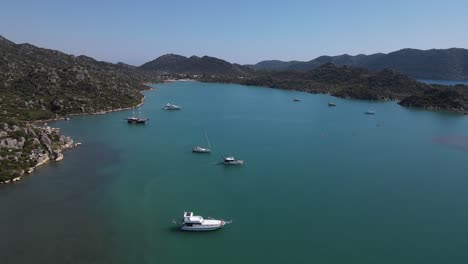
x=319, y=184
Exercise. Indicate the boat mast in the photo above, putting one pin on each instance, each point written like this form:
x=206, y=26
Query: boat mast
x=207, y=140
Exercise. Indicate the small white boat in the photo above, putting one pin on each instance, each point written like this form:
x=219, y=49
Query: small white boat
x=170, y=106
x=198, y=223
x=199, y=149
x=232, y=161
x=370, y=112
x=296, y=99
x=331, y=104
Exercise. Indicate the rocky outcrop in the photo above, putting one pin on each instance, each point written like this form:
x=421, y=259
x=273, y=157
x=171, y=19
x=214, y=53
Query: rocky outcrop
x=12, y=143
x=24, y=147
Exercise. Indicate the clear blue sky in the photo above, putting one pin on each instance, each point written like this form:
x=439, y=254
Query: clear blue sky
x=239, y=31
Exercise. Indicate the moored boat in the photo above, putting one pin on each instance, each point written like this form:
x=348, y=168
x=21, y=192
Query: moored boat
x=136, y=120
x=170, y=106
x=331, y=104
x=199, y=149
x=197, y=223
x=370, y=112
x=232, y=161
x=296, y=99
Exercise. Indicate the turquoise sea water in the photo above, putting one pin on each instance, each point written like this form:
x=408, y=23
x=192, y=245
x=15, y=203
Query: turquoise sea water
x=319, y=184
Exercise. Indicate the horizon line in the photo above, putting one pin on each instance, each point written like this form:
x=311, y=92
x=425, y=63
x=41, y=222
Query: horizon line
x=243, y=64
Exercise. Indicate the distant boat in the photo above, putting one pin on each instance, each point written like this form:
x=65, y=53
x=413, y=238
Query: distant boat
x=232, y=161
x=197, y=223
x=136, y=120
x=370, y=112
x=331, y=104
x=67, y=118
x=199, y=149
x=296, y=99
x=170, y=106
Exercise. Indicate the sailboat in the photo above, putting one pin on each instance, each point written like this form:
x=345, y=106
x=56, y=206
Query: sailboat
x=199, y=149
x=136, y=120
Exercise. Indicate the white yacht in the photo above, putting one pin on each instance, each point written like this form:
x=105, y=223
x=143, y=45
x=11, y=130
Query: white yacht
x=197, y=223
x=232, y=161
x=170, y=106
x=296, y=99
x=370, y=112
x=199, y=149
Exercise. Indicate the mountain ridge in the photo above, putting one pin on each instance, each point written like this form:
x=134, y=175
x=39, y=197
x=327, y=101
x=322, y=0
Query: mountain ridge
x=194, y=65
x=438, y=64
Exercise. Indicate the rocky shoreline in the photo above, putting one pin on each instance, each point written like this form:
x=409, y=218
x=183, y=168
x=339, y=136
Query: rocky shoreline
x=24, y=147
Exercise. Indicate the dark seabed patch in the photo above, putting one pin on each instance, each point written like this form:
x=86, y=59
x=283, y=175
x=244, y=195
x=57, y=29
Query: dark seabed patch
x=57, y=215
x=457, y=142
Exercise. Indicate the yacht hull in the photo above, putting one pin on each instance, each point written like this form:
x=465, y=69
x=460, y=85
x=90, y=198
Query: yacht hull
x=197, y=223
x=207, y=225
x=201, y=229
x=201, y=151
x=234, y=163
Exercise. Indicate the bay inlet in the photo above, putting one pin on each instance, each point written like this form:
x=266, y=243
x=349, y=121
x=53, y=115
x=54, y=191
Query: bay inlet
x=319, y=185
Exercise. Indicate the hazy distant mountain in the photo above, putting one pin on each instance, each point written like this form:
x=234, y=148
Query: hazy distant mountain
x=439, y=64
x=172, y=63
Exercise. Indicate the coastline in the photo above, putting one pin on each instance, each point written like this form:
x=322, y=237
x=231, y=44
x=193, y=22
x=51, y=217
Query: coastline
x=397, y=100
x=103, y=112
x=180, y=80
x=69, y=145
x=52, y=151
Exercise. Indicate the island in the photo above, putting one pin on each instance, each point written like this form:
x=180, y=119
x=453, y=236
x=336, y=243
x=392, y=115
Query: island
x=357, y=83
